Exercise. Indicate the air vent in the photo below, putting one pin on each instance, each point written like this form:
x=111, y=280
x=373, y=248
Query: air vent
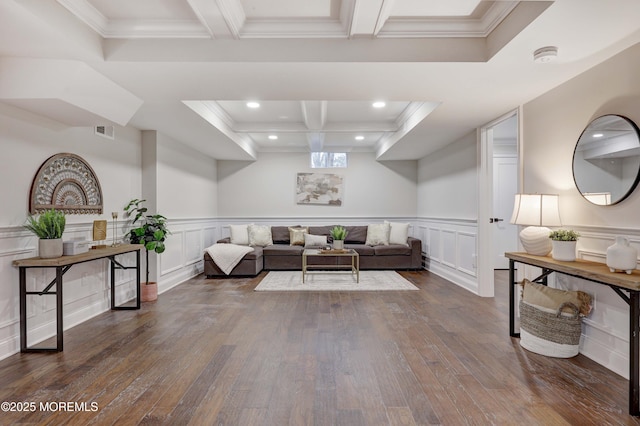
x=105, y=131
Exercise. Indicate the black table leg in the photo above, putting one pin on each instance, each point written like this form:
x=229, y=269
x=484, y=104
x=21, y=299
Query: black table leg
x=23, y=309
x=59, y=311
x=139, y=296
x=512, y=294
x=634, y=340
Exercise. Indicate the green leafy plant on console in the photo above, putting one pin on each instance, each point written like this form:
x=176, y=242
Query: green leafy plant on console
x=564, y=235
x=49, y=225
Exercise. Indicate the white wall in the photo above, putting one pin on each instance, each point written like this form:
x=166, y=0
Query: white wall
x=552, y=125
x=26, y=141
x=448, y=210
x=266, y=188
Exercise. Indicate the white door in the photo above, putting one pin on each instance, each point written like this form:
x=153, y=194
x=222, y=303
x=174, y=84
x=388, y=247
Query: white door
x=505, y=184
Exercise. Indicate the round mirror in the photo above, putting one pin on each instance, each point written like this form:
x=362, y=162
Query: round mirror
x=606, y=161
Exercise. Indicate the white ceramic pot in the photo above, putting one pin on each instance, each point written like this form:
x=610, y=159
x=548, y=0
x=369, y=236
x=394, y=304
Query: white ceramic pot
x=338, y=244
x=564, y=250
x=621, y=256
x=49, y=249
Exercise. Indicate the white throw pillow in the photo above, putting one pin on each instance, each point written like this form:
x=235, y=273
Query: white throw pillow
x=378, y=234
x=260, y=235
x=239, y=234
x=399, y=233
x=315, y=240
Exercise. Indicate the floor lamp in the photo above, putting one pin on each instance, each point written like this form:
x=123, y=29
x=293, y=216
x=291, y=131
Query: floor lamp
x=536, y=211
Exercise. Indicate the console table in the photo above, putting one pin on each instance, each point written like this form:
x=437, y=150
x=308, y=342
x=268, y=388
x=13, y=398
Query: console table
x=62, y=265
x=598, y=273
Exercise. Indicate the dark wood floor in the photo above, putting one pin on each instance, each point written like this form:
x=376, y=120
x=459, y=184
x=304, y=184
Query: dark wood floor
x=215, y=352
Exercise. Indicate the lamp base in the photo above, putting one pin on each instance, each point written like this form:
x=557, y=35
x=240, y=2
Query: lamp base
x=535, y=240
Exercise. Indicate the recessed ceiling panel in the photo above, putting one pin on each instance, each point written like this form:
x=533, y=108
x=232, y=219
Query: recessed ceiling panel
x=434, y=7
x=269, y=111
x=261, y=9
x=143, y=9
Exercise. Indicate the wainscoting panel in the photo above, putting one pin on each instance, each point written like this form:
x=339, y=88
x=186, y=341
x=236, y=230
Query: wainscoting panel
x=87, y=285
x=451, y=247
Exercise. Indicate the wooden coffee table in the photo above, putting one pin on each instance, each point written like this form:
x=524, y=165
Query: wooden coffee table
x=354, y=268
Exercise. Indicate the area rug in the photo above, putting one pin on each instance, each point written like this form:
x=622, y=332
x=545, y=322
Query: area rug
x=334, y=281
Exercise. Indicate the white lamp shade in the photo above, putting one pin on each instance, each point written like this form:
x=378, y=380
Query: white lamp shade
x=536, y=210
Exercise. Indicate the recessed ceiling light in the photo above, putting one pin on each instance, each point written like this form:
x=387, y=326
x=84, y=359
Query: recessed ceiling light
x=273, y=137
x=253, y=104
x=379, y=104
x=545, y=54
x=359, y=138
x=598, y=135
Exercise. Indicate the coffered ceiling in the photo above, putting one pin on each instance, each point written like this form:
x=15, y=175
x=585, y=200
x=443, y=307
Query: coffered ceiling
x=187, y=68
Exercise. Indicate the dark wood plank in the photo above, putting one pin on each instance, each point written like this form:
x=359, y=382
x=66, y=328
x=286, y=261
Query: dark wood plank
x=213, y=351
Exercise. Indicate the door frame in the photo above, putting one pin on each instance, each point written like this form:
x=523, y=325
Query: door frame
x=485, y=198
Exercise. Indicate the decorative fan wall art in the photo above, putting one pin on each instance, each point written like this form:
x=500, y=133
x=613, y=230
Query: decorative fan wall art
x=66, y=182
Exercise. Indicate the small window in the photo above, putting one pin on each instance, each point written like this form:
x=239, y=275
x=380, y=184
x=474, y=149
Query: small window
x=320, y=160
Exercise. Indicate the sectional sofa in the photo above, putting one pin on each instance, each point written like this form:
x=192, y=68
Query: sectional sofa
x=400, y=252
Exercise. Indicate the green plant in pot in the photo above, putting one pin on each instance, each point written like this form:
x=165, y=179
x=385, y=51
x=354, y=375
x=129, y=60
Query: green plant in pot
x=338, y=233
x=564, y=244
x=48, y=226
x=151, y=231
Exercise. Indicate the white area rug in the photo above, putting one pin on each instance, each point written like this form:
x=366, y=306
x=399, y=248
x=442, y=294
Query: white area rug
x=334, y=281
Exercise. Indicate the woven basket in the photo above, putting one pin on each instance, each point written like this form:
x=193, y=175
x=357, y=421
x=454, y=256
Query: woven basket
x=555, y=334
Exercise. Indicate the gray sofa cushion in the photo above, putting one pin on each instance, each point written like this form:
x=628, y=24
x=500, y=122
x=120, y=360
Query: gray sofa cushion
x=363, y=250
x=392, y=250
x=283, y=250
x=356, y=234
x=280, y=234
x=322, y=230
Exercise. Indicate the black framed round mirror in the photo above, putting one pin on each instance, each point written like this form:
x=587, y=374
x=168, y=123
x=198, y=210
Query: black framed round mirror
x=606, y=160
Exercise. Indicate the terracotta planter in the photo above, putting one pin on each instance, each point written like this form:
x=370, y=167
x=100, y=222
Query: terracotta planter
x=49, y=249
x=148, y=292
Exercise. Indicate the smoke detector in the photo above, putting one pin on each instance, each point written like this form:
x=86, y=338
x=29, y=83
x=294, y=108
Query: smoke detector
x=545, y=54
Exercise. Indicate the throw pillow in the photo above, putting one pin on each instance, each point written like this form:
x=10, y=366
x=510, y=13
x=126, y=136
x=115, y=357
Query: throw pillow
x=378, y=234
x=311, y=240
x=260, y=235
x=296, y=236
x=399, y=233
x=239, y=234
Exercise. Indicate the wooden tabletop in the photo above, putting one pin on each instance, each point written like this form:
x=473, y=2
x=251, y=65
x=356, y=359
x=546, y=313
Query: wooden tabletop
x=78, y=258
x=593, y=271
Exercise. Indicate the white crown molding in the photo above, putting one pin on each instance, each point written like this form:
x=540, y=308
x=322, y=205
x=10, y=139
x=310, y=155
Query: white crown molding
x=84, y=11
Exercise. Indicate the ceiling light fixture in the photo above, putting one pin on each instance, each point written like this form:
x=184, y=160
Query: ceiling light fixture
x=273, y=137
x=253, y=104
x=359, y=138
x=379, y=104
x=598, y=135
x=545, y=54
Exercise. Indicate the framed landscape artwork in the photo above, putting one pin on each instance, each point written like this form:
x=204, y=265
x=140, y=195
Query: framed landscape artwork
x=319, y=188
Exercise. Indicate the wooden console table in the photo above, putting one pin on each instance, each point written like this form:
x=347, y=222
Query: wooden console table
x=598, y=273
x=62, y=265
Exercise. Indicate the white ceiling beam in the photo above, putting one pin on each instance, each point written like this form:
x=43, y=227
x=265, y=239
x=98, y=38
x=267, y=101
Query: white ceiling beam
x=213, y=114
x=314, y=114
x=341, y=127
x=233, y=14
x=365, y=17
x=415, y=113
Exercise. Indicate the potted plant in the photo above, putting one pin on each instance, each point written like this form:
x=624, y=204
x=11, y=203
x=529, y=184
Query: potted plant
x=151, y=231
x=564, y=244
x=48, y=227
x=338, y=233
